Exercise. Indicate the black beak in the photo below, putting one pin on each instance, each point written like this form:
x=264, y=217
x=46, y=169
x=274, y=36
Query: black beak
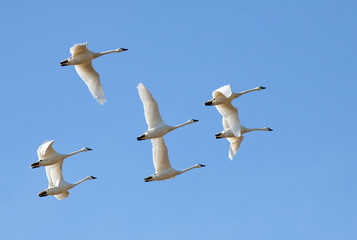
x=202, y=165
x=141, y=137
x=218, y=135
x=262, y=87
x=89, y=149
x=208, y=103
x=124, y=49
x=42, y=194
x=35, y=165
x=94, y=177
x=194, y=120
x=270, y=129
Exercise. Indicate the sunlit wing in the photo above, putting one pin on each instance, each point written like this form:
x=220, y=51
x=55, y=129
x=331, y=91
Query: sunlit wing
x=54, y=174
x=91, y=78
x=62, y=195
x=235, y=143
x=230, y=114
x=225, y=91
x=78, y=49
x=45, y=149
x=151, y=108
x=160, y=154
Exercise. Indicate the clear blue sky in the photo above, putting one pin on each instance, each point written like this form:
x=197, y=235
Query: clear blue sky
x=297, y=182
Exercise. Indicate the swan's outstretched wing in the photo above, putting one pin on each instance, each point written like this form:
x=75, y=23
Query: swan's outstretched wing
x=91, y=78
x=160, y=154
x=45, y=149
x=230, y=114
x=78, y=49
x=62, y=195
x=225, y=91
x=151, y=108
x=235, y=143
x=54, y=174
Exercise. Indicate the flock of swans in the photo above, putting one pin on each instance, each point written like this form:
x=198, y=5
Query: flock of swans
x=82, y=60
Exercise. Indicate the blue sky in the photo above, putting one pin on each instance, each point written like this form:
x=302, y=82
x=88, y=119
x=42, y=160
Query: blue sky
x=297, y=182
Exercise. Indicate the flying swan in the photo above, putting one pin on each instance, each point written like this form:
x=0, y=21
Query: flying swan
x=82, y=61
x=222, y=99
x=57, y=186
x=156, y=126
x=47, y=156
x=235, y=141
x=163, y=169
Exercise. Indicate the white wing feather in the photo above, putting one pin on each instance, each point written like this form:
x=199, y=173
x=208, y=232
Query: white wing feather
x=235, y=143
x=225, y=90
x=160, y=154
x=230, y=114
x=54, y=174
x=91, y=78
x=45, y=149
x=78, y=49
x=151, y=108
x=62, y=195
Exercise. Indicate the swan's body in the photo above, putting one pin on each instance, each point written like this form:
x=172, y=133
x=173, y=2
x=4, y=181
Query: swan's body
x=48, y=156
x=57, y=186
x=82, y=61
x=156, y=126
x=235, y=141
x=222, y=99
x=163, y=169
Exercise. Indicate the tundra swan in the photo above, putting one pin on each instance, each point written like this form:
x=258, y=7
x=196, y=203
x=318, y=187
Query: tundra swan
x=57, y=186
x=235, y=141
x=156, y=126
x=222, y=99
x=47, y=156
x=82, y=61
x=163, y=169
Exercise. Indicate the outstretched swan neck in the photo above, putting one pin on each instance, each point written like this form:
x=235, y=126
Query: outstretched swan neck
x=183, y=124
x=245, y=130
x=80, y=181
x=235, y=95
x=187, y=169
x=73, y=153
x=110, y=51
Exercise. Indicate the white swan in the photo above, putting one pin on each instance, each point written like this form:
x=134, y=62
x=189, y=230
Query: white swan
x=47, y=156
x=82, y=61
x=57, y=186
x=163, y=169
x=156, y=126
x=222, y=99
x=236, y=141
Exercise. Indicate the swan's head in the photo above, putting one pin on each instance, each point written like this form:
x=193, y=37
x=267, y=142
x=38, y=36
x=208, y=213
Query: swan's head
x=260, y=88
x=44, y=193
x=86, y=149
x=37, y=164
x=122, y=49
x=268, y=129
x=199, y=165
x=192, y=120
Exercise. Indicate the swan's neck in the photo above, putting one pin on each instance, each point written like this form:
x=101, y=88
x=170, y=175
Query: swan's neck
x=187, y=169
x=235, y=95
x=180, y=125
x=245, y=130
x=70, y=154
x=80, y=181
x=104, y=53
